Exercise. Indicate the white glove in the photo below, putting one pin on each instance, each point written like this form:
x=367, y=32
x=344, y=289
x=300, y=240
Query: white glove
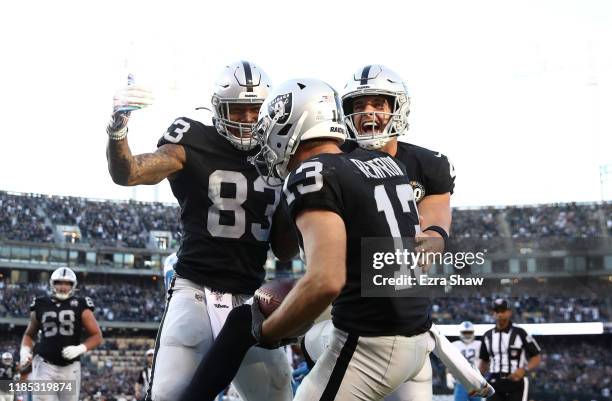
x=132, y=97
x=450, y=381
x=73, y=351
x=25, y=356
x=127, y=99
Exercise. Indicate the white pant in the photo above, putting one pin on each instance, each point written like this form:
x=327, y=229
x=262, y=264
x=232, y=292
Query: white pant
x=42, y=370
x=6, y=397
x=418, y=388
x=364, y=368
x=186, y=335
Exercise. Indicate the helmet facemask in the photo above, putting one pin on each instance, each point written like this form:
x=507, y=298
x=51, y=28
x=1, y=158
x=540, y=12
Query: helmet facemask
x=7, y=359
x=240, y=134
x=296, y=111
x=241, y=84
x=383, y=125
x=466, y=336
x=63, y=274
x=376, y=81
x=62, y=295
x=272, y=162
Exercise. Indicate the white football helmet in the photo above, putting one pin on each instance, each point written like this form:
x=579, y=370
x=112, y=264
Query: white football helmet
x=466, y=332
x=296, y=111
x=7, y=359
x=242, y=82
x=63, y=274
x=373, y=80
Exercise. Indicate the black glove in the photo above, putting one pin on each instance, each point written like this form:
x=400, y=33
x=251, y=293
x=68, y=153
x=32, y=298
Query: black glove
x=257, y=322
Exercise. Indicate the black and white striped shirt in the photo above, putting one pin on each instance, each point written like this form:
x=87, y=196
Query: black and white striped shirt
x=507, y=349
x=144, y=379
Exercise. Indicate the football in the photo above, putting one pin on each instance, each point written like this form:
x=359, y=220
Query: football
x=271, y=294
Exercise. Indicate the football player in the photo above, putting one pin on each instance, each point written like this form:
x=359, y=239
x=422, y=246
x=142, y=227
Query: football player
x=469, y=348
x=8, y=372
x=226, y=212
x=334, y=203
x=376, y=104
x=62, y=318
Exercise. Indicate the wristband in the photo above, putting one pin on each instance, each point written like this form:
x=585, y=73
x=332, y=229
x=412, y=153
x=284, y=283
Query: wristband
x=440, y=231
x=116, y=135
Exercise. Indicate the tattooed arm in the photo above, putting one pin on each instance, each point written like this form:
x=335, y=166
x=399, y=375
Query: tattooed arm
x=147, y=168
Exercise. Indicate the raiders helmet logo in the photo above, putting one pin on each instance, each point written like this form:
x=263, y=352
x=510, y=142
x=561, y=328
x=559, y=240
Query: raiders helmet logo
x=280, y=107
x=418, y=189
x=74, y=303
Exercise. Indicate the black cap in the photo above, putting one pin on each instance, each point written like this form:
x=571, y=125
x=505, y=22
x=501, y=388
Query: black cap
x=500, y=305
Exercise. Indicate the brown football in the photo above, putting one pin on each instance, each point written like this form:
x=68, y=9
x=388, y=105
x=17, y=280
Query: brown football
x=271, y=294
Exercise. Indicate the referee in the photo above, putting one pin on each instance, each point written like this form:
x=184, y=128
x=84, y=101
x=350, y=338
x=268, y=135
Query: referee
x=142, y=385
x=508, y=353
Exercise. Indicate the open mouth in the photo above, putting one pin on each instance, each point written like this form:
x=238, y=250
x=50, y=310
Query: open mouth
x=369, y=127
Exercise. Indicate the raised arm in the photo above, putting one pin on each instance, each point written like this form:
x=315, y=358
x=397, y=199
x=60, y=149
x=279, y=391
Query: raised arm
x=147, y=168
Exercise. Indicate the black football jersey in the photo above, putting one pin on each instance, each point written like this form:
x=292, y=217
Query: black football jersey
x=431, y=173
x=8, y=372
x=371, y=193
x=226, y=210
x=60, y=325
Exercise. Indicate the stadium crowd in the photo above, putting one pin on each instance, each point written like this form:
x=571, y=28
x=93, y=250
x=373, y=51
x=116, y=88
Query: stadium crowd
x=117, y=302
x=31, y=217
x=131, y=302
x=576, y=366
x=526, y=309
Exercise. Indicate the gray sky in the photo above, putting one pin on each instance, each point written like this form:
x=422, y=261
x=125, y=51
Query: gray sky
x=518, y=94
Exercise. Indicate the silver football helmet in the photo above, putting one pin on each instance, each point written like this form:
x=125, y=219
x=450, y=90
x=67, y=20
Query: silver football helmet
x=466, y=332
x=63, y=274
x=296, y=111
x=7, y=359
x=242, y=82
x=365, y=127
